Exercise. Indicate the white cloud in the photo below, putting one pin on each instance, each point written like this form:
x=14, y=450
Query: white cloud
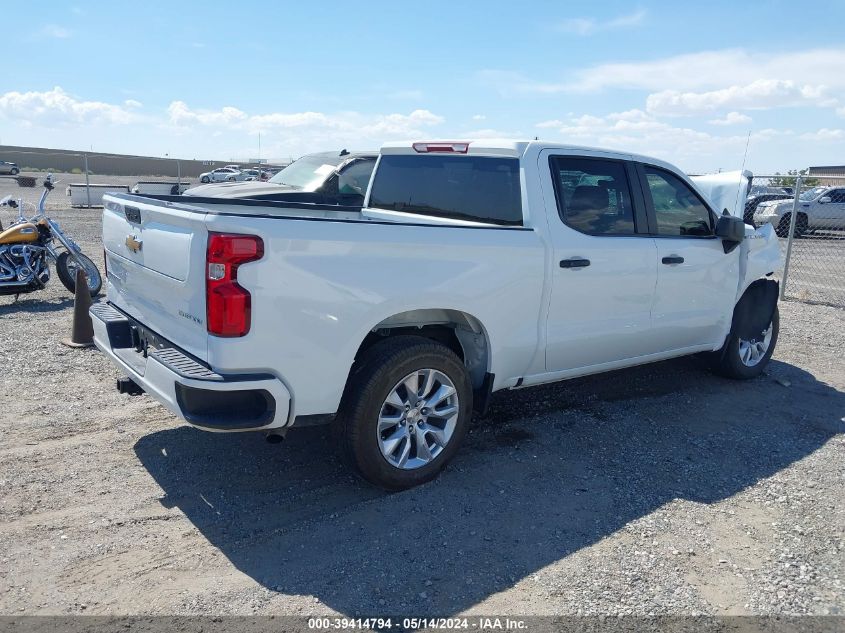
x=706, y=70
x=133, y=103
x=823, y=135
x=181, y=115
x=57, y=108
x=55, y=31
x=716, y=69
x=478, y=117
x=283, y=132
x=731, y=118
x=638, y=131
x=759, y=94
x=589, y=26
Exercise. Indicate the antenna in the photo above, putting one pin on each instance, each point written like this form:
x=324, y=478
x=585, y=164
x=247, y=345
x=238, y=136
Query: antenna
x=744, y=157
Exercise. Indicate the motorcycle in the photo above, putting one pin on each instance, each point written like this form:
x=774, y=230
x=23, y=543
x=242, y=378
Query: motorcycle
x=28, y=246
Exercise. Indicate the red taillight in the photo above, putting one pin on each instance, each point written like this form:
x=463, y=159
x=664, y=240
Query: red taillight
x=228, y=306
x=449, y=147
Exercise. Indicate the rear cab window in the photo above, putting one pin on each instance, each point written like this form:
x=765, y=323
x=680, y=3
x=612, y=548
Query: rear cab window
x=482, y=189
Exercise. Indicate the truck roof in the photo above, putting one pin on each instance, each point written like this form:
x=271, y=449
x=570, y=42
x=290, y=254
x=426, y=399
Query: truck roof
x=512, y=147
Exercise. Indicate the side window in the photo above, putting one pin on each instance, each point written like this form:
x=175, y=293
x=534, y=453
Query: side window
x=355, y=178
x=593, y=195
x=677, y=208
x=837, y=196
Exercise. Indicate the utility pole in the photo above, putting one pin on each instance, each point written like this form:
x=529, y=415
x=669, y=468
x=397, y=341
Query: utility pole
x=87, y=182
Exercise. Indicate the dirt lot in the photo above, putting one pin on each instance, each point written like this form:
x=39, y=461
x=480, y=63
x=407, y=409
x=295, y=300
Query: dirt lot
x=661, y=489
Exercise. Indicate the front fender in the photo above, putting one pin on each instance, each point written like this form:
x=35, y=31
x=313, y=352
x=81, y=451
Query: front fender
x=760, y=257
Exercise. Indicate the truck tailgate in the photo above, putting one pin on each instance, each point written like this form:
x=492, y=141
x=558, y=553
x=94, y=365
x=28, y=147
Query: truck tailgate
x=155, y=256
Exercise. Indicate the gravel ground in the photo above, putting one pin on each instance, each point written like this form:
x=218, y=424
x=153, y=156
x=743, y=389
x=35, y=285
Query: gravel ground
x=661, y=489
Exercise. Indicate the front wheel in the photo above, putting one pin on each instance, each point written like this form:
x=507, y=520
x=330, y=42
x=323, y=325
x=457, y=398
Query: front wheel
x=405, y=411
x=15, y=171
x=66, y=268
x=782, y=229
x=205, y=180
x=745, y=358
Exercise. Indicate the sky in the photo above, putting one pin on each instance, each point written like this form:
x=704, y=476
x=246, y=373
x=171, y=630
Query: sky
x=690, y=83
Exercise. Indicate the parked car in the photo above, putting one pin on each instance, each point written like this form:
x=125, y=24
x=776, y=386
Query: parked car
x=9, y=168
x=755, y=200
x=255, y=174
x=338, y=177
x=222, y=174
x=470, y=267
x=819, y=208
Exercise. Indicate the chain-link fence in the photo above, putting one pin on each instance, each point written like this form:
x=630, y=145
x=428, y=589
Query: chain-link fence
x=808, y=214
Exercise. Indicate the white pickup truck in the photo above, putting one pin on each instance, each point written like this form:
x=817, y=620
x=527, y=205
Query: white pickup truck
x=470, y=268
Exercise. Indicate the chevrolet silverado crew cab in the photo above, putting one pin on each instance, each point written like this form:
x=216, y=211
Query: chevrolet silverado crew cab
x=469, y=268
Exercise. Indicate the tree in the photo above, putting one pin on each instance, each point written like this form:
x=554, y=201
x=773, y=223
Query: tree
x=788, y=179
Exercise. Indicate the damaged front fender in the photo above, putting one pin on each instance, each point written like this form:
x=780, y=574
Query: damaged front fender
x=759, y=257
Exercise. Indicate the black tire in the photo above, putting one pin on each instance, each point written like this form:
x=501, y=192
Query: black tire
x=727, y=361
x=801, y=223
x=372, y=379
x=15, y=171
x=66, y=269
x=205, y=180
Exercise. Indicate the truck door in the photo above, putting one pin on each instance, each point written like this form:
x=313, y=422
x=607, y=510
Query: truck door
x=604, y=267
x=696, y=280
x=831, y=215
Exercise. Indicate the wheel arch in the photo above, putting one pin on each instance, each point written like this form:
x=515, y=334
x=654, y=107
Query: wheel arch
x=460, y=331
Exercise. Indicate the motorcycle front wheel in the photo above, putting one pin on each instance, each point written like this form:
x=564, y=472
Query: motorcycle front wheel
x=66, y=268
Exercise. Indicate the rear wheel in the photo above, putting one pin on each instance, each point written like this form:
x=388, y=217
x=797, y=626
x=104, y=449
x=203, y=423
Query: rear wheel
x=405, y=412
x=66, y=268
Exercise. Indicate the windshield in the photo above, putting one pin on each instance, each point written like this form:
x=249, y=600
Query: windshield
x=309, y=172
x=812, y=194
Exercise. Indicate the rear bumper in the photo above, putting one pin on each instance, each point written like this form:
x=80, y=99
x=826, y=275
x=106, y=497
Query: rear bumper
x=200, y=396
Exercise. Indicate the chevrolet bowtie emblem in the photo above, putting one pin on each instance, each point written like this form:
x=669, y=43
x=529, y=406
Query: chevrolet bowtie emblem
x=133, y=243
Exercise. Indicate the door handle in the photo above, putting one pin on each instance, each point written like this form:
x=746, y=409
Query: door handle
x=673, y=259
x=574, y=262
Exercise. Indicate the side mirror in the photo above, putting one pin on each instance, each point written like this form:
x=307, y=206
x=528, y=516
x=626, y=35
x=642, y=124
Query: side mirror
x=824, y=199
x=732, y=231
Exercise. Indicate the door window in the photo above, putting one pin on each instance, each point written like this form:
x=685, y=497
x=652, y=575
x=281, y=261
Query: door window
x=356, y=177
x=837, y=196
x=677, y=208
x=593, y=195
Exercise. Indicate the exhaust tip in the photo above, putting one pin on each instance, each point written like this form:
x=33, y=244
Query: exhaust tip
x=129, y=386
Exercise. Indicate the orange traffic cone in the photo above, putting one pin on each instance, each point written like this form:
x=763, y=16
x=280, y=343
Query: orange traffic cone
x=82, y=333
